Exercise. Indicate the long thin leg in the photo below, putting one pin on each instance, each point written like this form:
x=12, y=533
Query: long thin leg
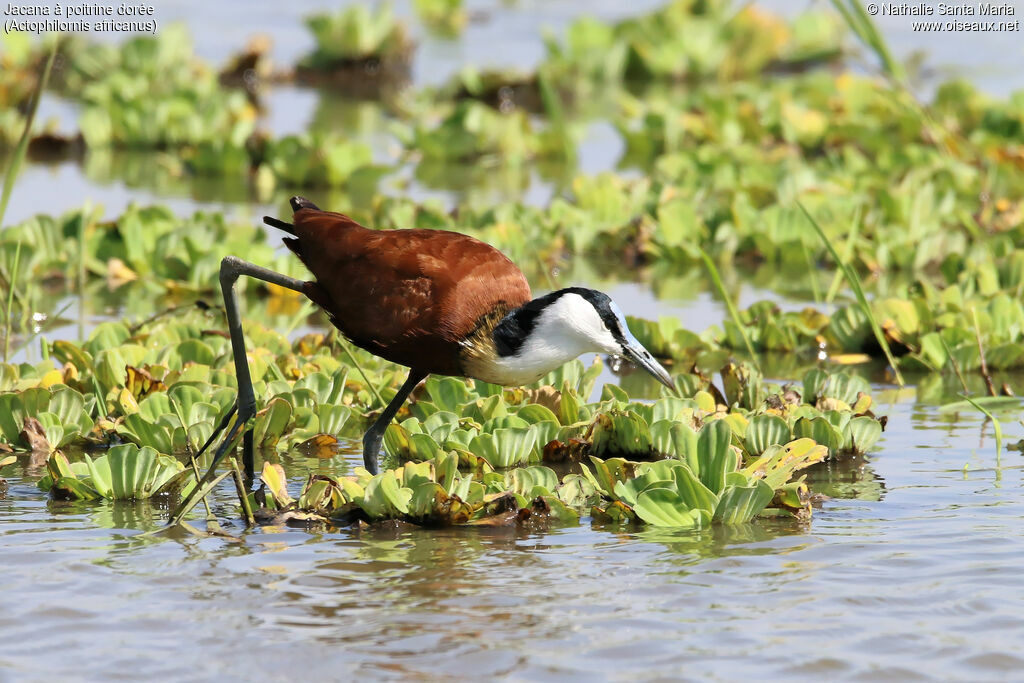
x=230, y=270
x=375, y=434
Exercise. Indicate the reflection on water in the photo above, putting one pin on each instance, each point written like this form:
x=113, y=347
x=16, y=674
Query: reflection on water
x=910, y=570
x=850, y=478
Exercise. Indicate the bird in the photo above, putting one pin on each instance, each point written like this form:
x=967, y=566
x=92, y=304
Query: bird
x=436, y=301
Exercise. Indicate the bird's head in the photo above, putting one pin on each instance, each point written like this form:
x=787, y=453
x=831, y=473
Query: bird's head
x=562, y=325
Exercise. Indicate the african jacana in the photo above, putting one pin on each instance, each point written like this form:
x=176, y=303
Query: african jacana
x=436, y=301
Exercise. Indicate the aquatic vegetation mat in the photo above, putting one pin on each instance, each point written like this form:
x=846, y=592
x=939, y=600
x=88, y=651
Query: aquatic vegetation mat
x=157, y=389
x=728, y=128
x=123, y=473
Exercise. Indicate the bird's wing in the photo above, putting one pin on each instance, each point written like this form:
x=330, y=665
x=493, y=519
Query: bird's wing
x=405, y=294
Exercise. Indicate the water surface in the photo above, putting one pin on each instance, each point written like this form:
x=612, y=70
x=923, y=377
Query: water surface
x=911, y=571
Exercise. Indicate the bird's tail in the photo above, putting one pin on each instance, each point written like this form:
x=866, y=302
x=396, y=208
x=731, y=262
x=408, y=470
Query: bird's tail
x=297, y=203
x=302, y=203
x=279, y=224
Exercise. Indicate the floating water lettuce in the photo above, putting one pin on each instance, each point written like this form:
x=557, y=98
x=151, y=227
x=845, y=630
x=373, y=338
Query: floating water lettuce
x=692, y=41
x=316, y=160
x=930, y=216
x=703, y=483
x=357, y=48
x=152, y=92
x=124, y=472
x=446, y=17
x=473, y=132
x=430, y=493
x=63, y=413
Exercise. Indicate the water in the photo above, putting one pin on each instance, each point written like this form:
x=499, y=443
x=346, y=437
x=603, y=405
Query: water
x=500, y=34
x=916, y=577
x=910, y=571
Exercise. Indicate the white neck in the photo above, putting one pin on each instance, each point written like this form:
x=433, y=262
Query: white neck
x=563, y=331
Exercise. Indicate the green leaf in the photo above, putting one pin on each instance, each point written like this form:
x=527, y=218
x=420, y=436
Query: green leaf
x=274, y=477
x=447, y=393
x=715, y=459
x=860, y=434
x=814, y=385
x=384, y=498
x=271, y=423
x=989, y=402
x=144, y=433
x=128, y=472
x=691, y=490
x=396, y=441
x=70, y=488
x=666, y=508
x=181, y=397
x=333, y=417
x=607, y=473
x=621, y=433
x=739, y=504
x=764, y=431
x=629, y=490
x=504, y=447
x=570, y=409
x=545, y=432
x=440, y=424
x=424, y=499
x=483, y=410
x=820, y=431
x=423, y=448
x=846, y=387
x=53, y=428
x=524, y=480
x=534, y=413
x=69, y=406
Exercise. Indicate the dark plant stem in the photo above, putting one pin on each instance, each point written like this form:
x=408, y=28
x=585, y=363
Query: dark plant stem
x=210, y=518
x=243, y=496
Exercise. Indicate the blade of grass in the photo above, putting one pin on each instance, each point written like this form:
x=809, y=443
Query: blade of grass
x=10, y=301
x=733, y=313
x=812, y=273
x=305, y=310
x=352, y=359
x=19, y=152
x=857, y=18
x=863, y=26
x=196, y=496
x=83, y=223
x=15, y=166
x=989, y=384
x=995, y=425
x=837, y=279
x=952, y=361
x=243, y=495
x=858, y=290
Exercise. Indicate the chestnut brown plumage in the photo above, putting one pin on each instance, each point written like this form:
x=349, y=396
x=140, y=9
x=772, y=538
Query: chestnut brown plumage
x=435, y=301
x=408, y=296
